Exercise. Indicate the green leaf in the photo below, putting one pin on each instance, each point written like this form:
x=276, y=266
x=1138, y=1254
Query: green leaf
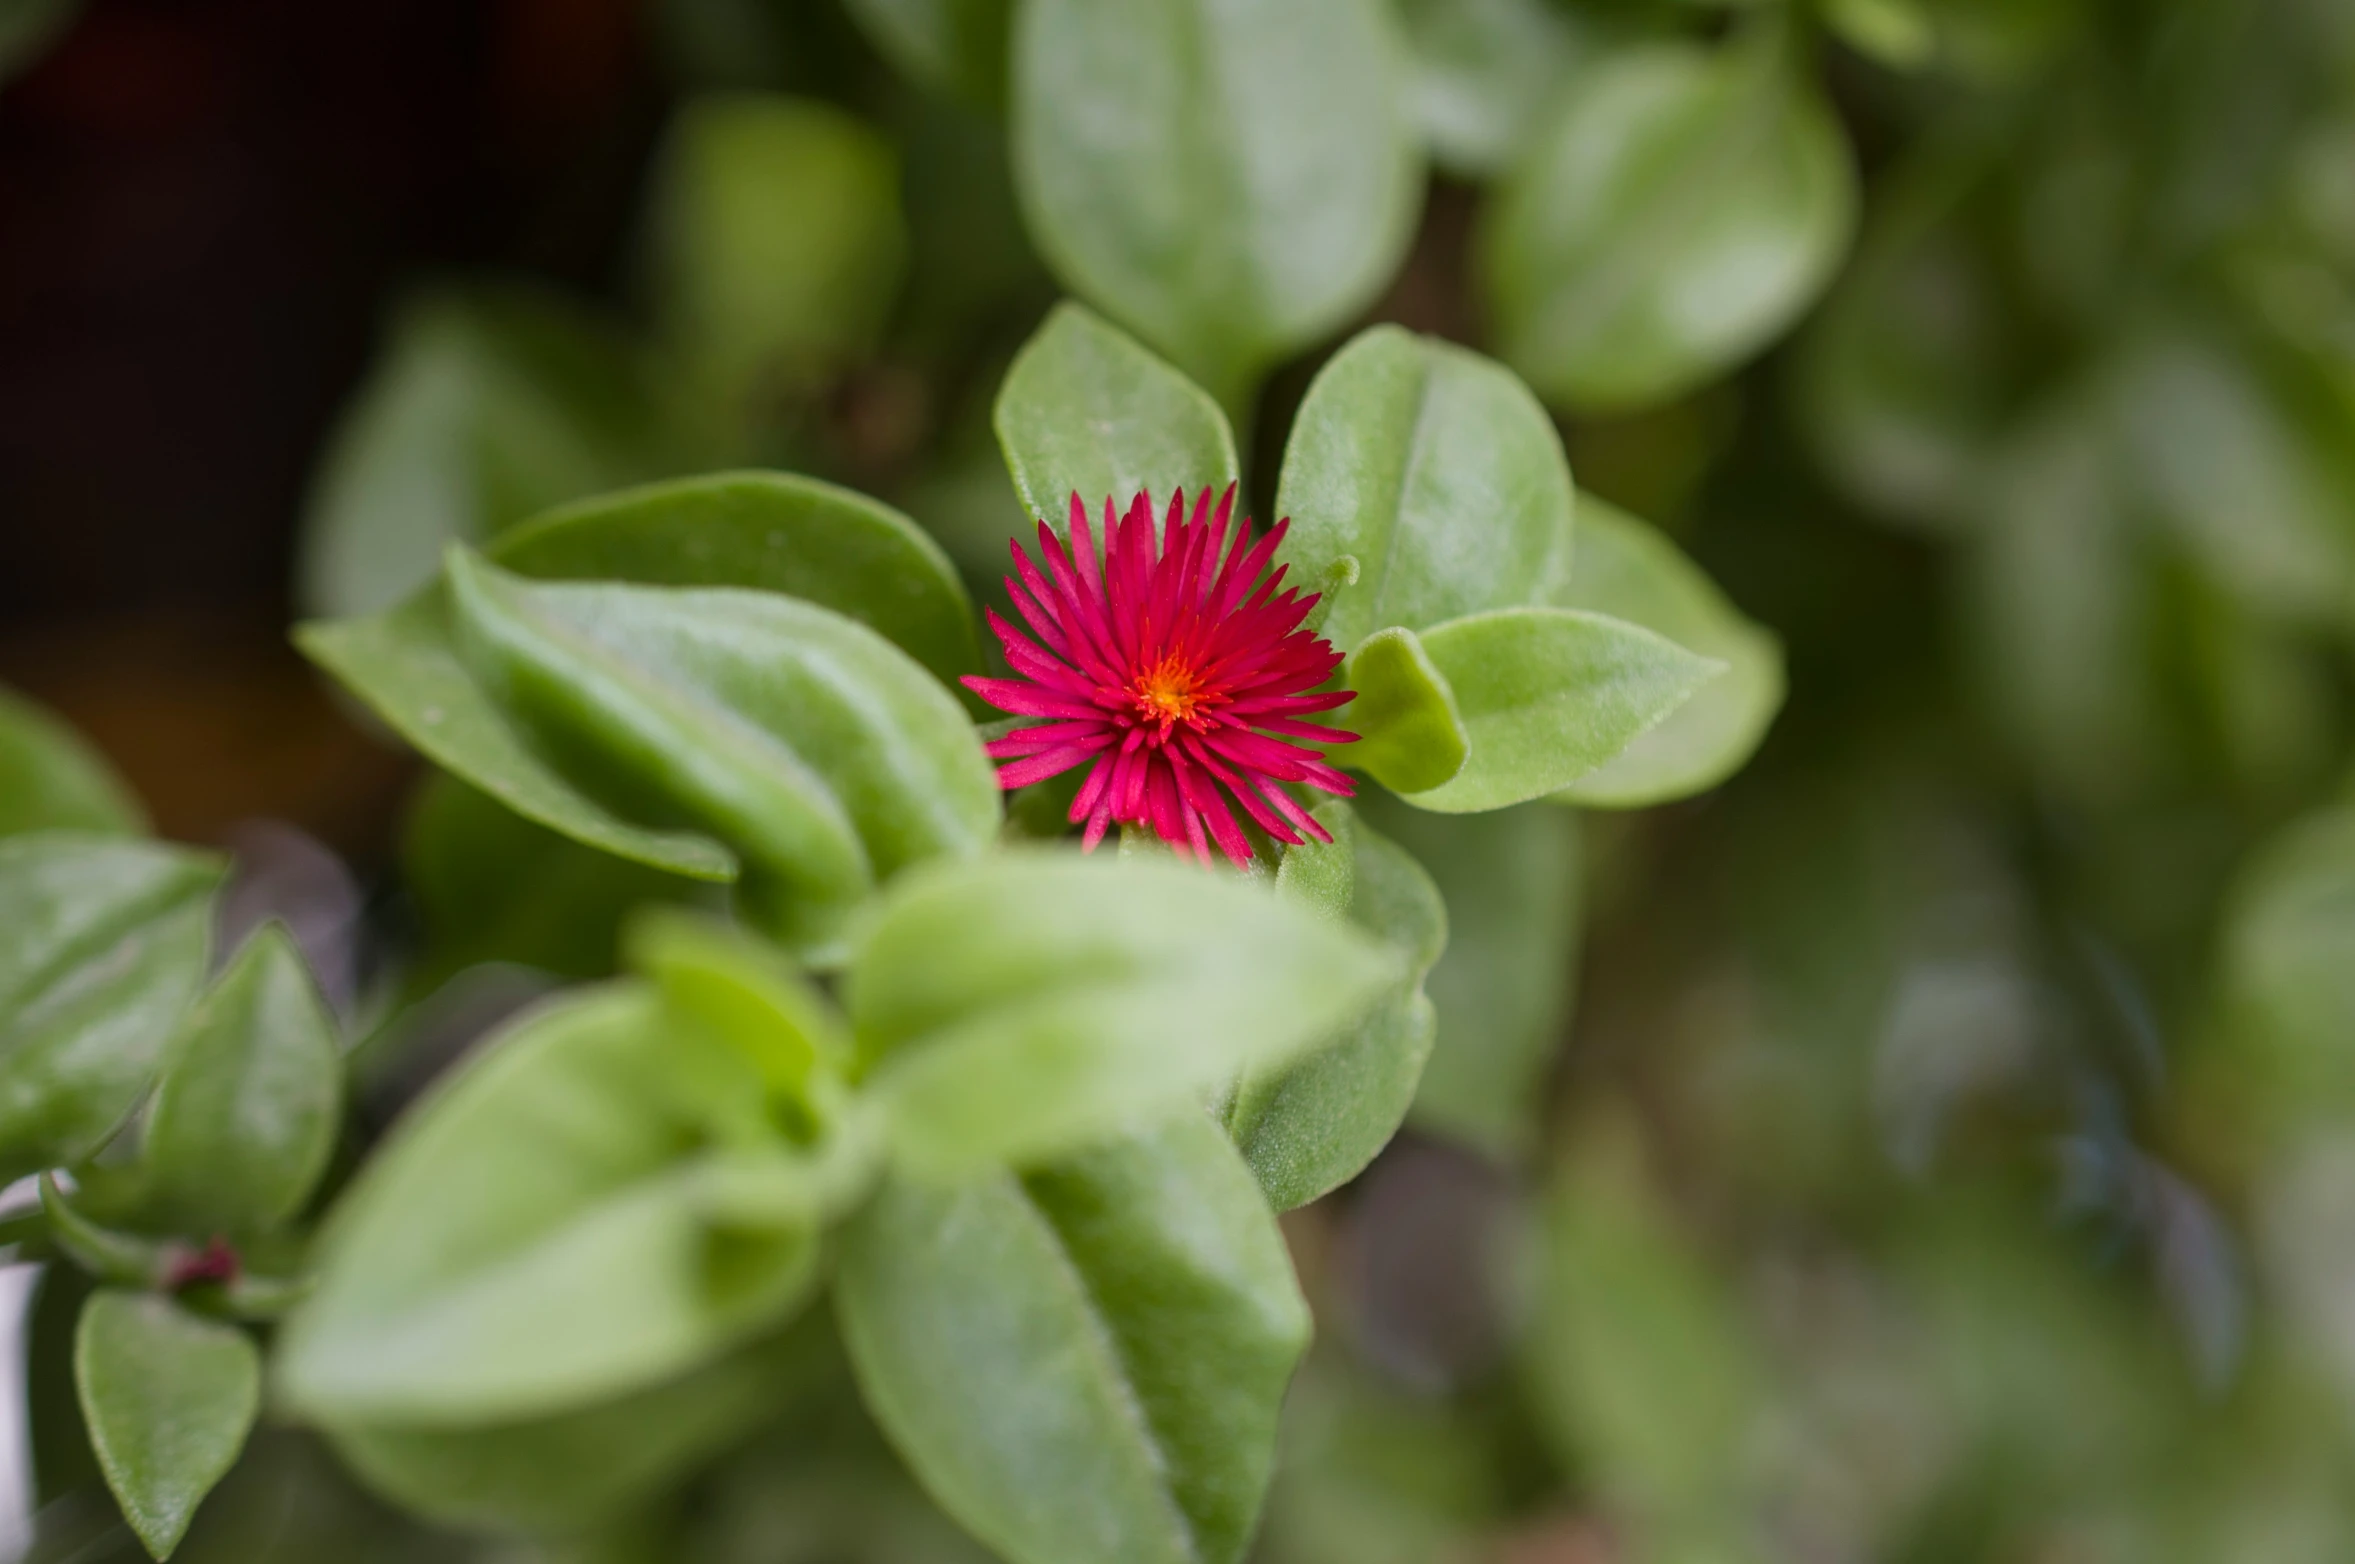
x=492, y=886
x=565, y=1162
x=772, y=531
x=1030, y=1003
x=2289, y=972
x=1084, y=1363
x=1673, y=217
x=1550, y=694
x=1484, y=72
x=52, y=779
x=955, y=45
x=1410, y=735
x=1640, y=1366
x=1232, y=182
x=1084, y=410
x=405, y=666
x=169, y=1399
x=564, y=1473
x=1631, y=571
x=1313, y=1125
x=806, y=741
x=775, y=238
x=487, y=406
x=1438, y=472
x=750, y=998
x=1511, y=882
x=251, y=1097
x=106, y=946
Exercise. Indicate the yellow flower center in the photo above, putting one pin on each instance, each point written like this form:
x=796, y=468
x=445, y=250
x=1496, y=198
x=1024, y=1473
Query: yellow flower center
x=1167, y=693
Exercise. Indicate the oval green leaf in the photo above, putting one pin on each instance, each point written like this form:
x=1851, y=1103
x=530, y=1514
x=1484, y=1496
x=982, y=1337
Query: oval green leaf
x=806, y=741
x=1232, y=182
x=246, y=1113
x=1313, y=1125
x=168, y=1398
x=771, y=531
x=1632, y=572
x=1084, y=1363
x=1438, y=472
x=1030, y=1003
x=1676, y=214
x=1484, y=72
x=1410, y=735
x=533, y=1240
x=107, y=945
x=1084, y=410
x=1550, y=694
x=52, y=779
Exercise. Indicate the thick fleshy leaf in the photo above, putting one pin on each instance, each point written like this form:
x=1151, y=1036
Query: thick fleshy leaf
x=1084, y=410
x=1230, y=181
x=251, y=1097
x=51, y=779
x=775, y=237
x=1410, y=735
x=1630, y=571
x=772, y=531
x=567, y=1471
x=168, y=1398
x=1438, y=472
x=1484, y=71
x=1549, y=694
x=487, y=406
x=561, y=1163
x=107, y=941
x=748, y=996
x=1676, y=214
x=1086, y=1362
x=1313, y=1125
x=955, y=45
x=1511, y=881
x=806, y=741
x=403, y=664
x=1030, y=1003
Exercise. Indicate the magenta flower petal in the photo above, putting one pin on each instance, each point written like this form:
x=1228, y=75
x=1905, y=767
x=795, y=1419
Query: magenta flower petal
x=1175, y=667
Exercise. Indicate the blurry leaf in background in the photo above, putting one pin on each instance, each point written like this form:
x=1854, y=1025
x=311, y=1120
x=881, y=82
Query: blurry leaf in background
x=1548, y=695
x=1028, y=1004
x=2288, y=971
x=492, y=886
x=1905, y=381
x=771, y=532
x=952, y=45
x=1087, y=1362
x=487, y=405
x=2257, y=487
x=250, y=1100
x=1085, y=410
x=811, y=744
x=108, y=944
x=559, y=1164
x=1511, y=883
x=1989, y=41
x=776, y=244
x=1438, y=473
x=52, y=779
x=574, y=1473
x=1484, y=70
x=29, y=27
x=1641, y=1367
x=1311, y=1126
x=1230, y=181
x=1633, y=572
x=169, y=1398
x=1675, y=215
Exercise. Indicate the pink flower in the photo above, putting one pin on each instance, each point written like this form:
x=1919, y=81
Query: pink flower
x=1178, y=674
